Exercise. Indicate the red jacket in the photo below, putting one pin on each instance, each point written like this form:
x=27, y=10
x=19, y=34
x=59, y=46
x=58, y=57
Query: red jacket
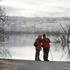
x=38, y=42
x=46, y=43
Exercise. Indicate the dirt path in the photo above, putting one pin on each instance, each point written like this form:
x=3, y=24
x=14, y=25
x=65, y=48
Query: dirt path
x=8, y=64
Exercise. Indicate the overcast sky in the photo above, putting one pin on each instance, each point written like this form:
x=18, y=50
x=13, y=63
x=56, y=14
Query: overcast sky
x=38, y=8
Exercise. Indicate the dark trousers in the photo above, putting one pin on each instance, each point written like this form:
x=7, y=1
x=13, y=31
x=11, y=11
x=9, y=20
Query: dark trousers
x=37, y=54
x=46, y=52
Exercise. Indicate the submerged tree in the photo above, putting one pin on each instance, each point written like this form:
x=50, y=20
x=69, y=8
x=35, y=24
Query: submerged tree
x=65, y=40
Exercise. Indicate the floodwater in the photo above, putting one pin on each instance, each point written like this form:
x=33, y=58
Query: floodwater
x=20, y=46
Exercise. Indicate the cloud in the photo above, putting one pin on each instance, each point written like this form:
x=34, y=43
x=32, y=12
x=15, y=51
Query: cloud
x=37, y=7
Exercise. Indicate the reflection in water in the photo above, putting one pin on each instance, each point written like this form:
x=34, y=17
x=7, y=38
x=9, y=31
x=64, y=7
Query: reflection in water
x=24, y=39
x=20, y=40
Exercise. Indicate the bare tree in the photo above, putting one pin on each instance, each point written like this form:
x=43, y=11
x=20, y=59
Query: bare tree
x=4, y=52
x=65, y=40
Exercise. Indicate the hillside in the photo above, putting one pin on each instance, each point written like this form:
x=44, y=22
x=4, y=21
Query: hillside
x=35, y=24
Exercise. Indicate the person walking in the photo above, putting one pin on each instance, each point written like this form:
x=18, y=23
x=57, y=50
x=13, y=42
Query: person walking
x=38, y=47
x=46, y=47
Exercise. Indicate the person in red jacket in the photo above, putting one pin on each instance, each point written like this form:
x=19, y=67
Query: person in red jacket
x=38, y=47
x=46, y=46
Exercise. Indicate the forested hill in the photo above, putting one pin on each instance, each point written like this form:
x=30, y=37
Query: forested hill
x=35, y=24
x=8, y=64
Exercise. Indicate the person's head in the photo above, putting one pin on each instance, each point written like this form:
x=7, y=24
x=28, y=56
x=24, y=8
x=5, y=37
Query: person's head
x=39, y=36
x=44, y=35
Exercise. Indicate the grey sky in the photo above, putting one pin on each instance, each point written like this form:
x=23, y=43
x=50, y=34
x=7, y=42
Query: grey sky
x=37, y=7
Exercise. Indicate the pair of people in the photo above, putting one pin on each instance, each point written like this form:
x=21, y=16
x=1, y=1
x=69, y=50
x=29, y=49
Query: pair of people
x=42, y=42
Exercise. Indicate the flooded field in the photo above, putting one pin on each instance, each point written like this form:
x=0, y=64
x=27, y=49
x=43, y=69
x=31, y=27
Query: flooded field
x=20, y=46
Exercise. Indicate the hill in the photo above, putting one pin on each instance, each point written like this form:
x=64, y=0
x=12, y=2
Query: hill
x=35, y=24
